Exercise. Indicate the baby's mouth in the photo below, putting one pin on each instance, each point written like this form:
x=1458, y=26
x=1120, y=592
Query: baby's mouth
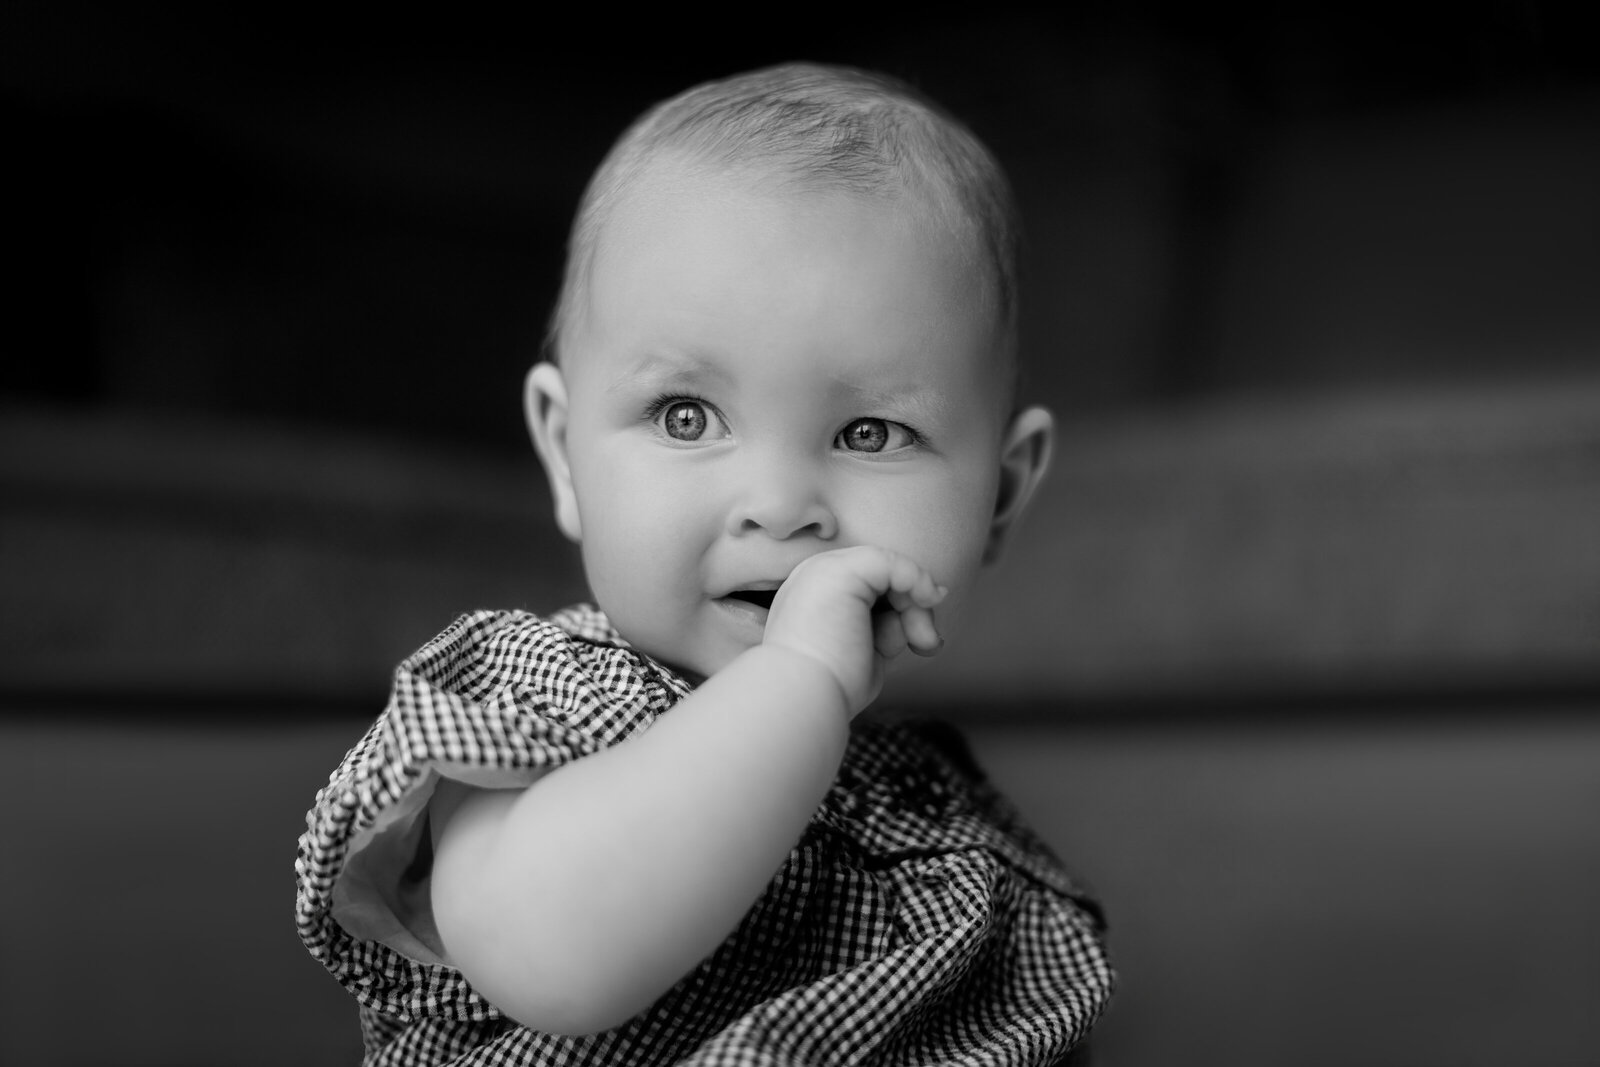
x=761, y=598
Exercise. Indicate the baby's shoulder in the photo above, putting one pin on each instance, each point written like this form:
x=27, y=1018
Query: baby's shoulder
x=571, y=664
x=480, y=650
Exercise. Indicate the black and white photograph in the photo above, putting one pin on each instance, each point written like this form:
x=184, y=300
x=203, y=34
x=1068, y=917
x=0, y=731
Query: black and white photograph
x=825, y=536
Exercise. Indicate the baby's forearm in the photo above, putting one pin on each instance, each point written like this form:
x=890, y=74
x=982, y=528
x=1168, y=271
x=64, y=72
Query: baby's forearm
x=575, y=903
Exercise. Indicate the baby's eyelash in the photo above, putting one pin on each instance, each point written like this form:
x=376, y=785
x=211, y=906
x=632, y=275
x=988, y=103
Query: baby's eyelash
x=653, y=410
x=685, y=418
x=911, y=437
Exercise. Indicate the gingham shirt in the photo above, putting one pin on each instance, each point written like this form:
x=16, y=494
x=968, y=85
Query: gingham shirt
x=916, y=922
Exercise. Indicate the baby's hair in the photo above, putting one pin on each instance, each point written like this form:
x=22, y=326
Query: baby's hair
x=818, y=128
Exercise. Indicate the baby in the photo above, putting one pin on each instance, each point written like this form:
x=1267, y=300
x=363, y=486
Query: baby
x=779, y=419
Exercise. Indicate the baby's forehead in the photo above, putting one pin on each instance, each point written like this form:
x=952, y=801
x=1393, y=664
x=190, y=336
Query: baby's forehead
x=677, y=214
x=667, y=181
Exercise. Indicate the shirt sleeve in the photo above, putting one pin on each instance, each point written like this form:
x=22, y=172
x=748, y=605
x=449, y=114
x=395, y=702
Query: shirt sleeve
x=494, y=701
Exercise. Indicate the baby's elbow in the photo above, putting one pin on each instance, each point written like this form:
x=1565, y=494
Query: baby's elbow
x=557, y=976
x=537, y=949
x=555, y=991
x=568, y=1008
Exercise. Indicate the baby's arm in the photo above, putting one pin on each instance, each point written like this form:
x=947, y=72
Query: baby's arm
x=573, y=904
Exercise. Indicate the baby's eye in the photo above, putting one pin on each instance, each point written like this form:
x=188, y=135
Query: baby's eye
x=874, y=435
x=684, y=419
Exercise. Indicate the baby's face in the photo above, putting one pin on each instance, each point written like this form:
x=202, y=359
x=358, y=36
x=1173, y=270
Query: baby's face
x=759, y=377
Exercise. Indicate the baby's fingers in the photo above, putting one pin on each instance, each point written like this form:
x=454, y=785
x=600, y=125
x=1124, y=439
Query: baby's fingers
x=895, y=631
x=888, y=634
x=910, y=585
x=912, y=594
x=900, y=624
x=922, y=636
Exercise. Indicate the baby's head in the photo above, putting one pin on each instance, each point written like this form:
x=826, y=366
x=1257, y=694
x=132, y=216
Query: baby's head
x=802, y=128
x=787, y=325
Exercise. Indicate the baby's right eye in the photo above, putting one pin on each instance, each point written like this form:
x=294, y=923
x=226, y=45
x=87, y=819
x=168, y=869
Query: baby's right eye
x=684, y=420
x=687, y=419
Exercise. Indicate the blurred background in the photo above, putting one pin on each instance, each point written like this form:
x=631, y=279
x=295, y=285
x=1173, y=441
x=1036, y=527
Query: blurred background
x=1295, y=661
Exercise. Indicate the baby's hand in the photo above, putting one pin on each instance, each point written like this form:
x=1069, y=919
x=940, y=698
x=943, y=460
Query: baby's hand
x=825, y=610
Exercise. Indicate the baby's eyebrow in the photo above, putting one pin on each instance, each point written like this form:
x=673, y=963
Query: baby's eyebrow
x=915, y=405
x=657, y=371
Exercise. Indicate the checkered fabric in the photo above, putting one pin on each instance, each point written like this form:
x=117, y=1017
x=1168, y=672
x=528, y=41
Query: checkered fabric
x=916, y=922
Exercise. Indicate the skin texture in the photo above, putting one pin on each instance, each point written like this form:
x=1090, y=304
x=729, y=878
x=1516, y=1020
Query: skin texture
x=768, y=390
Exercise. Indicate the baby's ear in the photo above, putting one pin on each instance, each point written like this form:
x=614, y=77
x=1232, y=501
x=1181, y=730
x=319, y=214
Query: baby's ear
x=1024, y=458
x=544, y=404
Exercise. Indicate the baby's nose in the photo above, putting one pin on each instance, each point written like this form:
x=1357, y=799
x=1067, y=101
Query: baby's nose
x=782, y=500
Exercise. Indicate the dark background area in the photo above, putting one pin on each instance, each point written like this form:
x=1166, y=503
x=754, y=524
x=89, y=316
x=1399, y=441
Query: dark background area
x=1296, y=659
x=321, y=219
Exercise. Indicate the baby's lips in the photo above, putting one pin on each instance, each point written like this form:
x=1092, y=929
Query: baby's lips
x=760, y=591
x=761, y=598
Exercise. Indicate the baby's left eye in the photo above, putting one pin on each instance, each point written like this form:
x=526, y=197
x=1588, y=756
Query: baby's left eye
x=874, y=435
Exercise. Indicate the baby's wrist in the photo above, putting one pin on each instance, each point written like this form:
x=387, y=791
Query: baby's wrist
x=799, y=670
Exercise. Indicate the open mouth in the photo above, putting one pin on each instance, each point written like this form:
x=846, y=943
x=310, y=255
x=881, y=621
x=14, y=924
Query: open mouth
x=761, y=598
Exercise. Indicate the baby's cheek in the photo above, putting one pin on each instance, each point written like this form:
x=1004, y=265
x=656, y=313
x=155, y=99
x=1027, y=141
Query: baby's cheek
x=949, y=545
